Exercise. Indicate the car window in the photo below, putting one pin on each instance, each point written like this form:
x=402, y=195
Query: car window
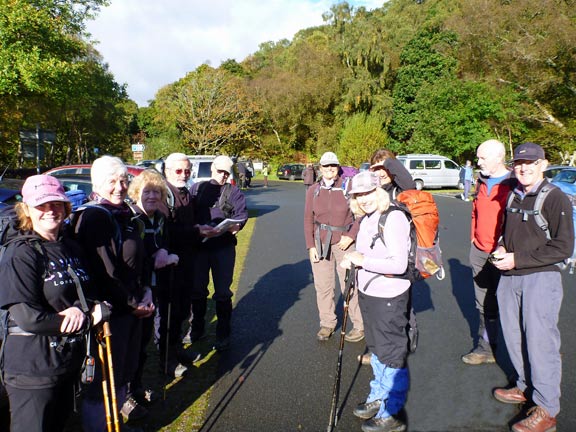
x=567, y=176
x=433, y=164
x=451, y=165
x=204, y=169
x=417, y=164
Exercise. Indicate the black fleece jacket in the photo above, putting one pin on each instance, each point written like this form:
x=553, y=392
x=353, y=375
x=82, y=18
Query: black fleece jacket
x=533, y=251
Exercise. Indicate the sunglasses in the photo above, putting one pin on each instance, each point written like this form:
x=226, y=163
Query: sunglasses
x=226, y=173
x=179, y=171
x=330, y=166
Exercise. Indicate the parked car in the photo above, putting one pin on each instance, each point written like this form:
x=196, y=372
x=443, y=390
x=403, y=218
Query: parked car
x=202, y=169
x=133, y=170
x=10, y=191
x=566, y=180
x=290, y=171
x=432, y=171
x=553, y=170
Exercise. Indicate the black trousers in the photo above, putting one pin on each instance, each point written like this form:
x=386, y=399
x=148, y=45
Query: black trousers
x=41, y=410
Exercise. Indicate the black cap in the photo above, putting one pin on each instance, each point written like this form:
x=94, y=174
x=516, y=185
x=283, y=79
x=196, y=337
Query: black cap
x=529, y=151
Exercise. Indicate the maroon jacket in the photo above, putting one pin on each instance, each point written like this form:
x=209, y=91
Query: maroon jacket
x=329, y=207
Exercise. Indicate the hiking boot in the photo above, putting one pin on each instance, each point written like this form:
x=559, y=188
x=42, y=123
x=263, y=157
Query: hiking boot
x=324, y=333
x=364, y=359
x=510, y=396
x=538, y=421
x=478, y=356
x=368, y=410
x=132, y=410
x=385, y=424
x=146, y=396
x=354, y=335
x=188, y=357
x=175, y=369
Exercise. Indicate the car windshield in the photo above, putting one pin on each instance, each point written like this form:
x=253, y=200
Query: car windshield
x=567, y=176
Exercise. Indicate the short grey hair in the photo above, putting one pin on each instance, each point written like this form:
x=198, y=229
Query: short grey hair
x=175, y=157
x=104, y=168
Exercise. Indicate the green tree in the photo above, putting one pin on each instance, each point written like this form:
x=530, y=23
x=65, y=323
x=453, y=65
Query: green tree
x=361, y=136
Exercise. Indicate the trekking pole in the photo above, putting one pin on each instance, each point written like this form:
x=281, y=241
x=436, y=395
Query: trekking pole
x=108, y=383
x=168, y=318
x=350, y=281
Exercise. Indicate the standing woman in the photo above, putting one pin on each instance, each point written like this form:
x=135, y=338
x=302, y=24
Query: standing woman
x=44, y=348
x=148, y=191
x=392, y=174
x=115, y=255
x=381, y=258
x=329, y=230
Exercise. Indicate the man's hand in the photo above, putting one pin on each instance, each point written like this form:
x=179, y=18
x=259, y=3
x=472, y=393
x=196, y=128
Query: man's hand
x=345, y=242
x=502, y=260
x=355, y=258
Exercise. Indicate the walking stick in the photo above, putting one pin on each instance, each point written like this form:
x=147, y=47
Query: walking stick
x=108, y=384
x=350, y=281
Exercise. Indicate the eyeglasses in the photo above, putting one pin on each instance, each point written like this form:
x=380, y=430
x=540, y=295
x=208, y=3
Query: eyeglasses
x=179, y=171
x=520, y=162
x=330, y=166
x=225, y=173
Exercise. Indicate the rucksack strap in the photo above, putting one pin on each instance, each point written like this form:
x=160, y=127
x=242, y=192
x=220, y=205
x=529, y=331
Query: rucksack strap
x=536, y=211
x=324, y=248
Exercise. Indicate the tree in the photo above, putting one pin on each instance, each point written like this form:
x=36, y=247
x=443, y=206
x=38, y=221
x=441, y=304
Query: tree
x=361, y=136
x=211, y=112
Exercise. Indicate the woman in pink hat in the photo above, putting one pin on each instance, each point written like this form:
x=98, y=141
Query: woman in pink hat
x=43, y=276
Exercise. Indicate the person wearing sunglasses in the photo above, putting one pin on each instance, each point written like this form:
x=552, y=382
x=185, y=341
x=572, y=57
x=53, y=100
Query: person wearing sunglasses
x=216, y=200
x=182, y=236
x=330, y=230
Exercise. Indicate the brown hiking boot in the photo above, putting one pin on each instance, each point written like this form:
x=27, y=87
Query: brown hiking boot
x=354, y=335
x=510, y=396
x=478, y=356
x=538, y=421
x=324, y=333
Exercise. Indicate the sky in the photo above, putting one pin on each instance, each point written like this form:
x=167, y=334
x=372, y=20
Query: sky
x=148, y=44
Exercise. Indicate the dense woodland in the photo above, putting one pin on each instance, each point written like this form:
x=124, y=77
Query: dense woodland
x=435, y=76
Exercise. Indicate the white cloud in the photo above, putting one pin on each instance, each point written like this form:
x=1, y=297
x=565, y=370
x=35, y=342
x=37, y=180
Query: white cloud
x=149, y=44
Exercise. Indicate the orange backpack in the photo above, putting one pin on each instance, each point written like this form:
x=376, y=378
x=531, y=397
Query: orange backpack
x=425, y=258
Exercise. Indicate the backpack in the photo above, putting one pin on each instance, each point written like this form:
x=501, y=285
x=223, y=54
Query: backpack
x=568, y=263
x=77, y=198
x=223, y=202
x=425, y=256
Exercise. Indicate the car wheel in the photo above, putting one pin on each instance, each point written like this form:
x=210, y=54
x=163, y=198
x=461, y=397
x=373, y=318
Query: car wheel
x=419, y=184
x=292, y=177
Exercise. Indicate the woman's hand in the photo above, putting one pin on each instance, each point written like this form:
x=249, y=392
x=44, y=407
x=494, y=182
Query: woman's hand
x=160, y=258
x=313, y=255
x=74, y=320
x=345, y=242
x=146, y=307
x=355, y=258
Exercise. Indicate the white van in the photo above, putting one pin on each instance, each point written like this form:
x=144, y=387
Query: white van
x=432, y=171
x=201, y=169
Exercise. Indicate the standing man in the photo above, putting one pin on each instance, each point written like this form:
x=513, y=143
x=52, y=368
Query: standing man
x=330, y=230
x=468, y=173
x=494, y=183
x=182, y=236
x=530, y=289
x=216, y=200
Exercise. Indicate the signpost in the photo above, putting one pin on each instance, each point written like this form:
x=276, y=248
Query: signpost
x=33, y=144
x=138, y=151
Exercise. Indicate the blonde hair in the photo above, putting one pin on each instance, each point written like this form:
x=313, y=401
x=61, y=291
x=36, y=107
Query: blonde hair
x=24, y=220
x=147, y=178
x=382, y=198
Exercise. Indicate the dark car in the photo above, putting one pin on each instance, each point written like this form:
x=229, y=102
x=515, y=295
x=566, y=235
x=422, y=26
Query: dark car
x=290, y=171
x=10, y=191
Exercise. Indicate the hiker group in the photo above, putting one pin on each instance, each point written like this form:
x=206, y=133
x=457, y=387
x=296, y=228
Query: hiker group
x=84, y=292
x=378, y=225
